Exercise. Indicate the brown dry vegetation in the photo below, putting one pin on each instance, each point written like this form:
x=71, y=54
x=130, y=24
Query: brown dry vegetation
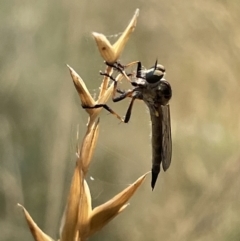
x=197, y=41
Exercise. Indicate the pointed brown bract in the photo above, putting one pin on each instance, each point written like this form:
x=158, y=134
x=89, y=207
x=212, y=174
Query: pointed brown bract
x=88, y=146
x=105, y=48
x=121, y=42
x=37, y=233
x=104, y=213
x=111, y=53
x=86, y=98
x=82, y=90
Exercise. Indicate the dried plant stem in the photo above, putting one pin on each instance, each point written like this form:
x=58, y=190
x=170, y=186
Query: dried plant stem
x=79, y=220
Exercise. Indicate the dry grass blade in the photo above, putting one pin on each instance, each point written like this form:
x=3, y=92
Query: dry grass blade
x=37, y=233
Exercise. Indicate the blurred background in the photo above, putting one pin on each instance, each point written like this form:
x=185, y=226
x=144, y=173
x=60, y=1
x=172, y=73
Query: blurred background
x=198, y=42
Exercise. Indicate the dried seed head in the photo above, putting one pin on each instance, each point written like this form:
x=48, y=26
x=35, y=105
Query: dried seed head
x=79, y=220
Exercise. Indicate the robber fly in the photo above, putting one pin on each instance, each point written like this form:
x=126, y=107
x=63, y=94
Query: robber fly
x=150, y=86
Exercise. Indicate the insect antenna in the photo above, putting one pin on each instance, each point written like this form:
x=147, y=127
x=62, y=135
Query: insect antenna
x=155, y=66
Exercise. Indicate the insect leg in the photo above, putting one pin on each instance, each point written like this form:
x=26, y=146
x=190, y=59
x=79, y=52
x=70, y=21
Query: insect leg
x=124, y=94
x=132, y=63
x=108, y=75
x=114, y=87
x=126, y=66
x=129, y=110
x=120, y=91
x=106, y=107
x=121, y=68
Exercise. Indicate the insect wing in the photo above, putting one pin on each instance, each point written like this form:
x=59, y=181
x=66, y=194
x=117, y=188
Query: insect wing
x=166, y=137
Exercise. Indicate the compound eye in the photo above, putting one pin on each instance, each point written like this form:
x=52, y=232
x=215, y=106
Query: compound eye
x=154, y=76
x=166, y=90
x=161, y=68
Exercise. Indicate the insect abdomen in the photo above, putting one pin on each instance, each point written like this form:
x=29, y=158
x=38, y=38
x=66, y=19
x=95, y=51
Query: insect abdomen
x=156, y=145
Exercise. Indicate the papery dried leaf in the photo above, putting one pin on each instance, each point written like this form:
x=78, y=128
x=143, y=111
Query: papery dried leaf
x=104, y=213
x=104, y=47
x=85, y=208
x=37, y=233
x=69, y=225
x=88, y=146
x=121, y=42
x=82, y=90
